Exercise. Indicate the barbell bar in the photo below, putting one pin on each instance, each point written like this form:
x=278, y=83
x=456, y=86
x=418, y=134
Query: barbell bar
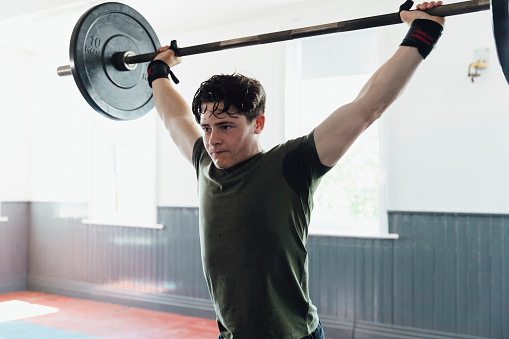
x=111, y=39
x=336, y=27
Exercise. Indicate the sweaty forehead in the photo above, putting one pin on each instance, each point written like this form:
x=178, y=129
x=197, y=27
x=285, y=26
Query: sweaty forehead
x=209, y=118
x=217, y=107
x=215, y=110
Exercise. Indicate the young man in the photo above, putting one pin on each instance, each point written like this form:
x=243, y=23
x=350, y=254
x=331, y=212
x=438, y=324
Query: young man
x=255, y=206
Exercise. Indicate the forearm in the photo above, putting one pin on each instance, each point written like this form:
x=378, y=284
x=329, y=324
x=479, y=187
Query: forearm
x=176, y=116
x=388, y=82
x=169, y=103
x=336, y=134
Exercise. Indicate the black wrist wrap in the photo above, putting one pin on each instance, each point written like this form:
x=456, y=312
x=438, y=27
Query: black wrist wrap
x=423, y=34
x=159, y=69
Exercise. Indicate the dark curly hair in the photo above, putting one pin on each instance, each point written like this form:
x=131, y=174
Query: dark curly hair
x=245, y=95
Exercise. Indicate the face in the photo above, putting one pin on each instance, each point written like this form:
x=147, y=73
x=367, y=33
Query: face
x=230, y=139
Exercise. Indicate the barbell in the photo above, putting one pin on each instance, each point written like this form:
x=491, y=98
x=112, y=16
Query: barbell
x=111, y=40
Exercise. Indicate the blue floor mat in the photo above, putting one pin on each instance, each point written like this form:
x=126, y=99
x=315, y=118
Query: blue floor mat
x=23, y=330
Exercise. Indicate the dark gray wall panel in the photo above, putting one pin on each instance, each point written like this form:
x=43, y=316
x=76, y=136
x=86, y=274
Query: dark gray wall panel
x=134, y=265
x=457, y=261
x=14, y=236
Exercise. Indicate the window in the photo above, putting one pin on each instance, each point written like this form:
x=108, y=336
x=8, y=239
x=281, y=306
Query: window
x=124, y=172
x=349, y=195
x=350, y=199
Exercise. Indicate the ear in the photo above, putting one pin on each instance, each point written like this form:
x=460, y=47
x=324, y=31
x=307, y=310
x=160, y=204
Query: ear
x=259, y=123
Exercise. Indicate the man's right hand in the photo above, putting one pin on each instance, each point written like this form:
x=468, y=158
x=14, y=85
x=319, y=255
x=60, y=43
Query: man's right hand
x=408, y=17
x=168, y=56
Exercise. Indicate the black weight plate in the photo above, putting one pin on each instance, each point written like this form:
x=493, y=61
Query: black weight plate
x=99, y=34
x=500, y=13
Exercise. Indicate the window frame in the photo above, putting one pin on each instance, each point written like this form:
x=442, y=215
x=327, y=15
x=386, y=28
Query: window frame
x=293, y=78
x=110, y=135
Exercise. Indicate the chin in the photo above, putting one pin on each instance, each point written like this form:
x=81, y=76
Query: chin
x=223, y=167
x=222, y=164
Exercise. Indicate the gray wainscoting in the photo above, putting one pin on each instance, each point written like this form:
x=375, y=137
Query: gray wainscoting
x=157, y=269
x=14, y=239
x=446, y=277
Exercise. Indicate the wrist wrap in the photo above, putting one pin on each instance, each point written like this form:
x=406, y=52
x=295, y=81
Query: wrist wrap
x=423, y=34
x=159, y=69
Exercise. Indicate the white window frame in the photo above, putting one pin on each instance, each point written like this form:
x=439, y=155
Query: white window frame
x=292, y=125
x=139, y=138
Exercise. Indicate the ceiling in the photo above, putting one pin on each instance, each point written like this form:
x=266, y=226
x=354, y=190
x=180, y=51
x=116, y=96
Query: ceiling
x=15, y=9
x=31, y=24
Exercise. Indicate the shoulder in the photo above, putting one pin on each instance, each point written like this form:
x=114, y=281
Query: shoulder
x=305, y=155
x=303, y=146
x=300, y=144
x=300, y=155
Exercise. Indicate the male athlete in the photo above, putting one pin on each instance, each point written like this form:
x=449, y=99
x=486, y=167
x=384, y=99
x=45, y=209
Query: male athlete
x=255, y=205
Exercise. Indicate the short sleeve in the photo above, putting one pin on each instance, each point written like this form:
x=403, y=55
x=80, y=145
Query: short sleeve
x=198, y=151
x=302, y=167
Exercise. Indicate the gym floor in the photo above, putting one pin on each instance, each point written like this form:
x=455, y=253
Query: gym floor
x=38, y=315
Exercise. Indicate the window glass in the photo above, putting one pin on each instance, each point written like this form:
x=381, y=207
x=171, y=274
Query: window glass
x=124, y=154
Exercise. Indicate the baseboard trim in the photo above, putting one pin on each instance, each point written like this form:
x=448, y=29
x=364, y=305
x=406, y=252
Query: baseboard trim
x=197, y=307
x=345, y=328
x=13, y=284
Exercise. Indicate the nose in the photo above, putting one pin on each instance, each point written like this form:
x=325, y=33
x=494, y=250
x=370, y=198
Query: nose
x=214, y=138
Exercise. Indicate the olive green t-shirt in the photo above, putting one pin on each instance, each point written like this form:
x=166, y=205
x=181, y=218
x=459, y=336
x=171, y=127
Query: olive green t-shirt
x=254, y=221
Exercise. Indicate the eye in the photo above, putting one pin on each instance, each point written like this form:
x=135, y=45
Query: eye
x=226, y=127
x=206, y=129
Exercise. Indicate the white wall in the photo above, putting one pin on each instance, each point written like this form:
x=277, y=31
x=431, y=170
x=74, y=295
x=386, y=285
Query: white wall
x=15, y=125
x=61, y=137
x=446, y=137
x=48, y=141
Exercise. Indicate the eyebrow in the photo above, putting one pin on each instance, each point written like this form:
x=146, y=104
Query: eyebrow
x=221, y=123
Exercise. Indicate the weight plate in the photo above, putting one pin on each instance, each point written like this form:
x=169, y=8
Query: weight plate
x=500, y=13
x=99, y=34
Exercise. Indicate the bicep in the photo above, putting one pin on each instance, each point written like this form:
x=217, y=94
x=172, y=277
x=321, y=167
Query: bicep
x=335, y=135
